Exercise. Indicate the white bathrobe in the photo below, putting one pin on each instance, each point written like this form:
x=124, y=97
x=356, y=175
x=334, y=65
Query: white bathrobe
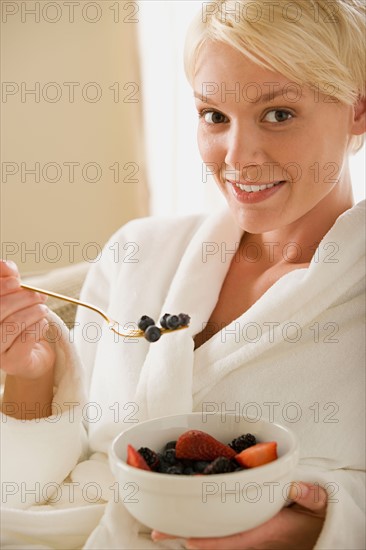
x=295, y=357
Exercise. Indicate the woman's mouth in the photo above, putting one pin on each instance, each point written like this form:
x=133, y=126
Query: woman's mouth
x=245, y=192
x=254, y=188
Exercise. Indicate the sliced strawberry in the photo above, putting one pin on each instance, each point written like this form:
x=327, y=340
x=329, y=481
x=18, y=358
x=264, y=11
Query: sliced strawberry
x=197, y=445
x=135, y=459
x=258, y=454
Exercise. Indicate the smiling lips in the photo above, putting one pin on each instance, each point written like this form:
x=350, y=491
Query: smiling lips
x=251, y=188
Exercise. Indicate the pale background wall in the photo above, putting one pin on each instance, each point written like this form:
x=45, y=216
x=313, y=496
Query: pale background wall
x=127, y=39
x=103, y=132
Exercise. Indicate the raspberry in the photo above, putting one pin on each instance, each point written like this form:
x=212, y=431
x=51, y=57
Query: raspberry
x=243, y=442
x=152, y=333
x=144, y=322
x=220, y=465
x=183, y=319
x=172, y=322
x=151, y=458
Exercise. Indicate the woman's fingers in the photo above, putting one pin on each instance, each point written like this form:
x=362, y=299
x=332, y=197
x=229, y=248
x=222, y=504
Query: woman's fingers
x=19, y=324
x=9, y=284
x=9, y=276
x=25, y=351
x=310, y=496
x=156, y=535
x=17, y=359
x=17, y=301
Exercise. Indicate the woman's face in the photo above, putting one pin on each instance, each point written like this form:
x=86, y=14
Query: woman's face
x=257, y=128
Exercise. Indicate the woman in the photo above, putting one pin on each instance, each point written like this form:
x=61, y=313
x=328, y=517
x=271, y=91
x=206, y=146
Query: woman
x=274, y=284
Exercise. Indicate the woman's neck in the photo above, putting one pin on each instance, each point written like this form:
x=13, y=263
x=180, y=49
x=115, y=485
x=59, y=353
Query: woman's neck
x=297, y=242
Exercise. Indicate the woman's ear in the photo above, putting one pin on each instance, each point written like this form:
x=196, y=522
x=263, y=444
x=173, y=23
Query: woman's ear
x=359, y=117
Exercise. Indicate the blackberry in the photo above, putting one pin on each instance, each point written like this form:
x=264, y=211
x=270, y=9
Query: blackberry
x=220, y=465
x=152, y=333
x=243, y=442
x=170, y=445
x=177, y=470
x=144, y=322
x=151, y=458
x=188, y=471
x=163, y=320
x=183, y=319
x=172, y=322
x=200, y=465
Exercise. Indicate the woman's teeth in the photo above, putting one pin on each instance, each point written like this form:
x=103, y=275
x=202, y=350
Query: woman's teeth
x=256, y=188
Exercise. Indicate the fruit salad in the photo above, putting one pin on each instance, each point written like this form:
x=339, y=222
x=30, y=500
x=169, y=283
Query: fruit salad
x=198, y=453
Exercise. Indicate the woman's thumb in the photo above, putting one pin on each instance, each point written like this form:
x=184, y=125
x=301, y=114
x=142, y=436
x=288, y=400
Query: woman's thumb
x=310, y=496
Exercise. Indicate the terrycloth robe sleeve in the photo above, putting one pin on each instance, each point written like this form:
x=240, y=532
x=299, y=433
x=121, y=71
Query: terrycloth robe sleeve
x=37, y=455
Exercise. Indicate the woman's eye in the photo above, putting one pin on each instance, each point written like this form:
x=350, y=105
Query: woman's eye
x=212, y=117
x=278, y=115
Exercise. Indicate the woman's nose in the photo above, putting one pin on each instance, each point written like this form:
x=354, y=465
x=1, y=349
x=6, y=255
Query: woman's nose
x=244, y=152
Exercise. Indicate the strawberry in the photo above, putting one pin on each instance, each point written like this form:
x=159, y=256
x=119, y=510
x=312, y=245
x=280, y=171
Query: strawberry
x=258, y=454
x=197, y=445
x=135, y=459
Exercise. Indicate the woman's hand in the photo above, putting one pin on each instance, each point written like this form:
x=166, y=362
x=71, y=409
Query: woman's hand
x=297, y=526
x=25, y=355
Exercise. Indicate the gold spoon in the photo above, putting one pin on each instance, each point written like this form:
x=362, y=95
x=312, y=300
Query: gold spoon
x=113, y=325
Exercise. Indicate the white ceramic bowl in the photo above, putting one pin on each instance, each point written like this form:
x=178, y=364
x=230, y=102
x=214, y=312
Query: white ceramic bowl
x=202, y=506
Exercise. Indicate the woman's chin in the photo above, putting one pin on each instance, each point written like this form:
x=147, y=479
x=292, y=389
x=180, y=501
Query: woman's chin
x=252, y=222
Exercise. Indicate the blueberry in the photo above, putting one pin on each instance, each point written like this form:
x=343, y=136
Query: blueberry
x=183, y=319
x=169, y=456
x=163, y=320
x=163, y=465
x=152, y=333
x=170, y=445
x=172, y=322
x=177, y=470
x=145, y=322
x=220, y=465
x=188, y=471
x=200, y=465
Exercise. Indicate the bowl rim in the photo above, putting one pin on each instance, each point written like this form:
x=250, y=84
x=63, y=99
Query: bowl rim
x=280, y=462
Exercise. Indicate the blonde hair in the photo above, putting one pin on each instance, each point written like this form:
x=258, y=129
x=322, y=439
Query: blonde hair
x=317, y=43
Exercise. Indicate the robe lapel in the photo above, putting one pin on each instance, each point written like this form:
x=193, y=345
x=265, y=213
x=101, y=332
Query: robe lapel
x=165, y=384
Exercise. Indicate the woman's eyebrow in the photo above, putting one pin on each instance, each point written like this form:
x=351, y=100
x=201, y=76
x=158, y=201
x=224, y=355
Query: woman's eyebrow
x=263, y=98
x=203, y=98
x=284, y=92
